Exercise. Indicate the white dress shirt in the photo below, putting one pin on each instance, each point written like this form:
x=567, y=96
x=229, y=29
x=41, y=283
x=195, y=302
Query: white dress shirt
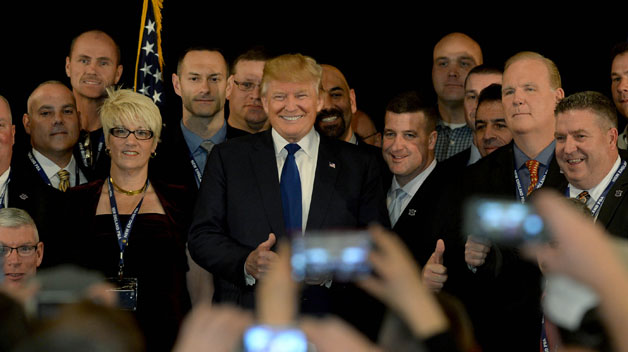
x=51, y=169
x=410, y=188
x=4, y=178
x=596, y=192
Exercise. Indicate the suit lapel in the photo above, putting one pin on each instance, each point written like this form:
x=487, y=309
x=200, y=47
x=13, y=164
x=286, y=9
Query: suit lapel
x=324, y=181
x=264, y=165
x=613, y=199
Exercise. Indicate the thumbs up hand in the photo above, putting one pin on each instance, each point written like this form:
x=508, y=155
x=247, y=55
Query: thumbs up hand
x=258, y=261
x=434, y=272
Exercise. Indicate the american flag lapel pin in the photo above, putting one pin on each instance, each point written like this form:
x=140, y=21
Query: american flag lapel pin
x=332, y=165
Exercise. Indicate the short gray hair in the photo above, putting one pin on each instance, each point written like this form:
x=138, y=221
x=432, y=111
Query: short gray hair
x=14, y=218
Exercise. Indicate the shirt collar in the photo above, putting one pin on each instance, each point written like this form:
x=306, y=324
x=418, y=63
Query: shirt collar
x=544, y=157
x=413, y=186
x=307, y=143
x=194, y=141
x=50, y=168
x=597, y=191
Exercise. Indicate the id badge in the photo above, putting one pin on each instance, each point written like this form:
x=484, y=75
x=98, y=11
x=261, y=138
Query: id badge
x=126, y=290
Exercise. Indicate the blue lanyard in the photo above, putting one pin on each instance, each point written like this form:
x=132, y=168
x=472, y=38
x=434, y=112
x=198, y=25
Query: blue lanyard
x=597, y=206
x=544, y=342
x=522, y=196
x=123, y=237
x=101, y=144
x=197, y=172
x=43, y=175
x=4, y=191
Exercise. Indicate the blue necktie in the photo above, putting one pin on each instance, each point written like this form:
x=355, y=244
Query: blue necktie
x=290, y=186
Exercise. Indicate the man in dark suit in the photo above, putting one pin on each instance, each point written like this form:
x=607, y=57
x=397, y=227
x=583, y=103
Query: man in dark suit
x=586, y=151
x=250, y=196
x=505, y=300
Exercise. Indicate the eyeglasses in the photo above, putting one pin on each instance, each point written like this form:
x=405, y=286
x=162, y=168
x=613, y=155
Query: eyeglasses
x=22, y=251
x=122, y=132
x=246, y=86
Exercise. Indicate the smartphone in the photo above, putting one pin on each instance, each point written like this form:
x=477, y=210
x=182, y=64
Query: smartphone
x=265, y=338
x=340, y=254
x=503, y=221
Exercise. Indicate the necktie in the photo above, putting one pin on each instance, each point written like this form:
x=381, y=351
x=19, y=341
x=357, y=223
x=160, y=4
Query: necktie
x=207, y=145
x=290, y=186
x=64, y=180
x=87, y=145
x=533, y=166
x=583, y=197
x=395, y=207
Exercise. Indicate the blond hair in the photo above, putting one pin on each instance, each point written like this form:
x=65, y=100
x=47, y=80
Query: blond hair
x=292, y=68
x=552, y=70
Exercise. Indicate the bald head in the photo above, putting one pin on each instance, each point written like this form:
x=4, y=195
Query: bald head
x=5, y=109
x=334, y=120
x=45, y=87
x=453, y=57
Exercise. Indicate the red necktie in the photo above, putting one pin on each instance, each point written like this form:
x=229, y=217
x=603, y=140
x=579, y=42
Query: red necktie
x=533, y=166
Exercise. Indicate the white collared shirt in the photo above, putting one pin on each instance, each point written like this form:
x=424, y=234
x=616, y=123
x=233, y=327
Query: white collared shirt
x=410, y=188
x=51, y=169
x=596, y=192
x=306, y=159
x=3, y=186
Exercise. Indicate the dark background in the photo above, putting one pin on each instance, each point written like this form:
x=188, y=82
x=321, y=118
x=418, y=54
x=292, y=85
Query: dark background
x=382, y=51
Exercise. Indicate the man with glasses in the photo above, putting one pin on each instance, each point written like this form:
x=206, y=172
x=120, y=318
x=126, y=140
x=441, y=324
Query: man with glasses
x=200, y=81
x=246, y=114
x=20, y=248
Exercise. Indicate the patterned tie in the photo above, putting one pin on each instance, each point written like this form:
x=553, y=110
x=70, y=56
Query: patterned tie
x=583, y=197
x=533, y=166
x=64, y=180
x=394, y=210
x=290, y=186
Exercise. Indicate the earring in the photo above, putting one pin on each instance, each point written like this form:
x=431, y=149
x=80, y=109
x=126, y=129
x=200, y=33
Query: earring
x=153, y=155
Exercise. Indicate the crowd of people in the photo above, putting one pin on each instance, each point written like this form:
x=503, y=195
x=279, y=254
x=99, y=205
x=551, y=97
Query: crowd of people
x=175, y=236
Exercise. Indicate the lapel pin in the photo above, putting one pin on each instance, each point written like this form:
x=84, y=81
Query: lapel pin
x=23, y=196
x=618, y=193
x=412, y=212
x=332, y=165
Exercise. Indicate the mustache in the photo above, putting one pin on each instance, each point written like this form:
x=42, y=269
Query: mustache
x=329, y=112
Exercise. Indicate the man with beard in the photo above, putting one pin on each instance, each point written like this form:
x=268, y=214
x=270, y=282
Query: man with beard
x=619, y=86
x=246, y=114
x=92, y=65
x=334, y=120
x=201, y=82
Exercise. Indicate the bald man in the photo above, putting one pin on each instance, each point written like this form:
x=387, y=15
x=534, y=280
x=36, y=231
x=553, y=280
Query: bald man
x=334, y=120
x=453, y=57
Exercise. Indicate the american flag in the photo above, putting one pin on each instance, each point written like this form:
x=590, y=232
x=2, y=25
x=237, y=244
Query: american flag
x=149, y=65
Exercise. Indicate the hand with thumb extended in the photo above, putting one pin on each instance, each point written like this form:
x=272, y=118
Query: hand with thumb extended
x=258, y=261
x=434, y=272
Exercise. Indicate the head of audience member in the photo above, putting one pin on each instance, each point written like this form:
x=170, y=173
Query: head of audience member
x=619, y=77
x=7, y=135
x=243, y=91
x=21, y=248
x=454, y=55
x=479, y=77
x=409, y=136
x=334, y=120
x=586, y=138
x=52, y=121
x=491, y=131
x=290, y=94
x=363, y=126
x=531, y=89
x=201, y=82
x=93, y=64
x=132, y=126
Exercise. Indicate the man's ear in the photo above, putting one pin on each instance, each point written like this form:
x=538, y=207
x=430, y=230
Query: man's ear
x=26, y=121
x=354, y=104
x=229, y=88
x=176, y=84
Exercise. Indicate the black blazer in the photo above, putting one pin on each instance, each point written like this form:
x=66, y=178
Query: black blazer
x=172, y=162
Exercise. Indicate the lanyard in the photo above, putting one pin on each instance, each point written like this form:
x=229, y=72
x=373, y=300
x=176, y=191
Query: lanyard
x=43, y=175
x=123, y=237
x=197, y=172
x=101, y=144
x=4, y=191
x=544, y=342
x=597, y=206
x=522, y=196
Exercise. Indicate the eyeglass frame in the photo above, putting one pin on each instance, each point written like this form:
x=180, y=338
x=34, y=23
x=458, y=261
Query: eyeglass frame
x=238, y=84
x=152, y=134
x=16, y=249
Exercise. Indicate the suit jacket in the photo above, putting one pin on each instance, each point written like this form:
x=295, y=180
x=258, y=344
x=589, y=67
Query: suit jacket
x=503, y=297
x=239, y=204
x=172, y=163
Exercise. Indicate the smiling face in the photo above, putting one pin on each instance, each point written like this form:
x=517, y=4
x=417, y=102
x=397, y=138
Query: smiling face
x=93, y=65
x=453, y=57
x=130, y=153
x=334, y=120
x=407, y=147
x=619, y=83
x=52, y=121
x=528, y=98
x=201, y=83
x=585, y=149
x=18, y=269
x=291, y=108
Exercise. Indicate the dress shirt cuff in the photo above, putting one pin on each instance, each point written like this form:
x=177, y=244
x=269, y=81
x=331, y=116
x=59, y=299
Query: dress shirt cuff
x=249, y=279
